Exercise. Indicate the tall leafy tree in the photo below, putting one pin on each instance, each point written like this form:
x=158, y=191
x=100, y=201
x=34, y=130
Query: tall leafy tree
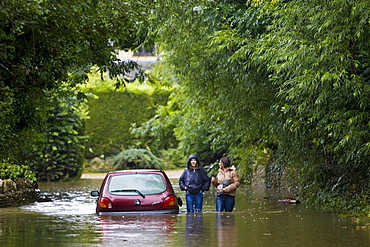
x=59, y=155
x=224, y=105
x=292, y=76
x=46, y=43
x=318, y=53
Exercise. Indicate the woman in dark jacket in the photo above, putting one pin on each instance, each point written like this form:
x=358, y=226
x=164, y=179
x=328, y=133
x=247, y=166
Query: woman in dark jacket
x=194, y=180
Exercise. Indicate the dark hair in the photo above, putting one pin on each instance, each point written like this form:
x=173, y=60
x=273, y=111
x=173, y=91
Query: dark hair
x=225, y=161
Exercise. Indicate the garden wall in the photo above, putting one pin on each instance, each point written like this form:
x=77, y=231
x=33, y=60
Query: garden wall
x=16, y=193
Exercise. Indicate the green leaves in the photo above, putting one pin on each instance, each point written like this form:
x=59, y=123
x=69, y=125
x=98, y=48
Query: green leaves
x=138, y=159
x=11, y=171
x=45, y=45
x=60, y=153
x=288, y=75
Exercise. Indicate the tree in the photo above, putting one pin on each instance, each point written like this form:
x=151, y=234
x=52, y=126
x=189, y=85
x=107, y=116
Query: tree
x=320, y=61
x=60, y=153
x=224, y=107
x=290, y=76
x=46, y=43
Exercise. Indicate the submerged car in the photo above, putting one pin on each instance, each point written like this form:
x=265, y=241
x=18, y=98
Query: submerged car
x=138, y=192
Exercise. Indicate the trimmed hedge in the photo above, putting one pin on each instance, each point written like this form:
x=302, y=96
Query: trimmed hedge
x=112, y=114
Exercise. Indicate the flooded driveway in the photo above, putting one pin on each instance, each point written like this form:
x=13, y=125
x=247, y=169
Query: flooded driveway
x=70, y=220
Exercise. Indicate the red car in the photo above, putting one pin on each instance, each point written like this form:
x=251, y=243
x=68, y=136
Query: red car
x=138, y=192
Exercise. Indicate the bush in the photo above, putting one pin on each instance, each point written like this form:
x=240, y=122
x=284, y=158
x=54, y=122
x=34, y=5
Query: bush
x=60, y=153
x=10, y=171
x=137, y=159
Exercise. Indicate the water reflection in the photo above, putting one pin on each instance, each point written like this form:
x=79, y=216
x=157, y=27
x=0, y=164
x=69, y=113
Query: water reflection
x=227, y=234
x=194, y=228
x=70, y=220
x=24, y=228
x=136, y=230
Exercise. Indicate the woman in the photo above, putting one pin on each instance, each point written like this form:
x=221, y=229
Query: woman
x=194, y=180
x=226, y=182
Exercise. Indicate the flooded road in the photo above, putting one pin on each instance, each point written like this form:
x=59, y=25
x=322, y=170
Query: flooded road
x=70, y=220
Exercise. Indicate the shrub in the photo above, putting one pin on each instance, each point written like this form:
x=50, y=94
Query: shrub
x=137, y=159
x=10, y=171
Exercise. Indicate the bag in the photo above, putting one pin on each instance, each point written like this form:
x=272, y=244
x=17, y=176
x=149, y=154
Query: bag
x=226, y=183
x=222, y=185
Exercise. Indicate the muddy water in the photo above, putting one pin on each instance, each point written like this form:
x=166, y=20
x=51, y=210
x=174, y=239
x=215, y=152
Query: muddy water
x=70, y=220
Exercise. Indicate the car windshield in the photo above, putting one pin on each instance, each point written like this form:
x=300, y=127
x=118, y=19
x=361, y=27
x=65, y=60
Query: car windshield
x=134, y=184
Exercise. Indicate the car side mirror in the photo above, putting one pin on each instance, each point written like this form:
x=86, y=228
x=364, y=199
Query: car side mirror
x=179, y=201
x=94, y=193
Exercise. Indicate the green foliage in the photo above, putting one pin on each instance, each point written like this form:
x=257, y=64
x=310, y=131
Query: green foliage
x=345, y=203
x=11, y=171
x=6, y=119
x=136, y=159
x=41, y=49
x=113, y=112
x=288, y=76
x=173, y=158
x=319, y=61
x=61, y=155
x=219, y=107
x=157, y=133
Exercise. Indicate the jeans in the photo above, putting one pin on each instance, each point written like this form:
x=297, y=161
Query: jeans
x=225, y=203
x=194, y=203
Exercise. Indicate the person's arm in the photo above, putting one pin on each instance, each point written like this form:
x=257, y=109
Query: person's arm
x=215, y=181
x=235, y=184
x=182, y=181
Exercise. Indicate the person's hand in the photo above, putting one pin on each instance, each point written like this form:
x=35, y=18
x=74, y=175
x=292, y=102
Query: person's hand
x=213, y=179
x=220, y=189
x=186, y=188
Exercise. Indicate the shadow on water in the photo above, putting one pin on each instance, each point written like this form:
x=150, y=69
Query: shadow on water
x=70, y=220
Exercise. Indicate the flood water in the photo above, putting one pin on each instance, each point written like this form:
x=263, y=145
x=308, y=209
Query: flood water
x=70, y=220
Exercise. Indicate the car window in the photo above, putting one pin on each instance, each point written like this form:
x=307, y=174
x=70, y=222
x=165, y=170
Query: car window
x=134, y=184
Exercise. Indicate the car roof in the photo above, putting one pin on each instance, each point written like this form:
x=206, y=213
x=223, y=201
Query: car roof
x=135, y=171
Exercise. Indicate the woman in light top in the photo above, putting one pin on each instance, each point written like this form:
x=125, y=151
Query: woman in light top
x=226, y=182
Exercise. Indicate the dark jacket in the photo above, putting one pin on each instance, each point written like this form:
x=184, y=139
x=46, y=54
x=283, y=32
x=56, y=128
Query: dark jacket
x=196, y=180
